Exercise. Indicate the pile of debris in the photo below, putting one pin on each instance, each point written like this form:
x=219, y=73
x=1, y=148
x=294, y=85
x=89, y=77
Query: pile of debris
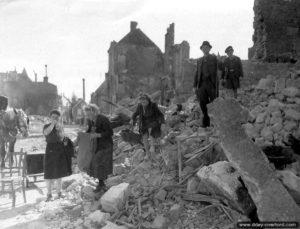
x=277, y=110
x=198, y=178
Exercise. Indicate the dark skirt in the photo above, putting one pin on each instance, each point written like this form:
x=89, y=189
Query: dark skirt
x=102, y=163
x=155, y=128
x=56, y=163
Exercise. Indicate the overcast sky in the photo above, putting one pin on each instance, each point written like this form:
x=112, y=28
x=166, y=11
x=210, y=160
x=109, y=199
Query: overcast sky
x=72, y=36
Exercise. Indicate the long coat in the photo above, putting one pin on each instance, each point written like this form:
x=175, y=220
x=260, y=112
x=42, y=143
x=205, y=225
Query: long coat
x=213, y=73
x=102, y=161
x=56, y=161
x=232, y=71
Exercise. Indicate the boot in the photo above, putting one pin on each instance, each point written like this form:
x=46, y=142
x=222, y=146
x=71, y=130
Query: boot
x=60, y=195
x=49, y=197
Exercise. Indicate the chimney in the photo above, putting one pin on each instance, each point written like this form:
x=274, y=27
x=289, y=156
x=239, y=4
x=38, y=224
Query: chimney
x=46, y=77
x=133, y=25
x=83, y=89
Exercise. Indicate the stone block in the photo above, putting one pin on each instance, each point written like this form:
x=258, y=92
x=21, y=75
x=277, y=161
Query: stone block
x=110, y=225
x=276, y=128
x=256, y=172
x=88, y=191
x=223, y=179
x=276, y=114
x=251, y=130
x=275, y=120
x=175, y=212
x=99, y=217
x=261, y=117
x=291, y=92
x=115, y=180
x=267, y=134
x=160, y=222
x=265, y=84
x=292, y=114
x=76, y=211
x=290, y=125
x=161, y=195
x=291, y=182
x=256, y=110
x=114, y=199
x=275, y=105
x=279, y=85
x=193, y=185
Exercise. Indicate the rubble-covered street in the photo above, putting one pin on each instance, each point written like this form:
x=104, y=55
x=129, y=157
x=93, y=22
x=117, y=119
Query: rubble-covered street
x=198, y=178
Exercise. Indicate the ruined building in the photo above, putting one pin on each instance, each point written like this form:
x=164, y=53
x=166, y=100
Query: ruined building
x=32, y=96
x=136, y=64
x=276, y=31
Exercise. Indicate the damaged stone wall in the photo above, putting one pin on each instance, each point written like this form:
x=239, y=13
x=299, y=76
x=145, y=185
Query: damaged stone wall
x=276, y=31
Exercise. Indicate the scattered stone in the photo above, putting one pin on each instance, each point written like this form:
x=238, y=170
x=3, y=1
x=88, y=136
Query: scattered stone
x=290, y=125
x=223, y=179
x=175, y=212
x=257, y=110
x=274, y=105
x=161, y=195
x=276, y=114
x=193, y=185
x=277, y=127
x=275, y=119
x=115, y=180
x=265, y=84
x=160, y=222
x=99, y=217
x=267, y=134
x=110, y=225
x=261, y=117
x=279, y=85
x=76, y=211
x=291, y=182
x=291, y=92
x=114, y=199
x=88, y=191
x=292, y=115
x=251, y=130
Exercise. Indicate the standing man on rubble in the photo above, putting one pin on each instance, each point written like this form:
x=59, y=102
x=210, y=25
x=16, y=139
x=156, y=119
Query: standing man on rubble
x=232, y=72
x=205, y=81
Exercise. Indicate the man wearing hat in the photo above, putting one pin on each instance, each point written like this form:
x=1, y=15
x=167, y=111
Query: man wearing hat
x=232, y=71
x=205, y=81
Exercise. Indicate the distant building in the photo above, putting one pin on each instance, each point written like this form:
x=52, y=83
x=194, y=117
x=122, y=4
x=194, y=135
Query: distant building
x=276, y=35
x=136, y=64
x=32, y=96
x=78, y=111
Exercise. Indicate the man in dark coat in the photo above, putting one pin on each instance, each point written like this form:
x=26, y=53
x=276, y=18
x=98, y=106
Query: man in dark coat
x=206, y=80
x=232, y=71
x=102, y=161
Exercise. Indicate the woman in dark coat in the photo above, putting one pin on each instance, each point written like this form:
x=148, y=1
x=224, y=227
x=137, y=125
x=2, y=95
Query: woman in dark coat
x=102, y=161
x=150, y=122
x=56, y=159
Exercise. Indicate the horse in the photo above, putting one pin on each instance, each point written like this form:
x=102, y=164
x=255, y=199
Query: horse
x=12, y=122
